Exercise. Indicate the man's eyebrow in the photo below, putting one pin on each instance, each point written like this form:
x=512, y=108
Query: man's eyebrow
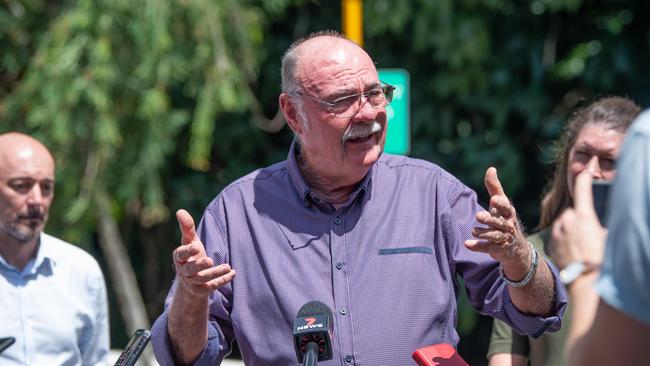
x=29, y=179
x=351, y=91
x=20, y=178
x=373, y=85
x=342, y=93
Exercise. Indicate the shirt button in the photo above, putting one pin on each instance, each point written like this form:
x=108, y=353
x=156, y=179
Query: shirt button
x=348, y=358
x=343, y=311
x=339, y=265
x=338, y=220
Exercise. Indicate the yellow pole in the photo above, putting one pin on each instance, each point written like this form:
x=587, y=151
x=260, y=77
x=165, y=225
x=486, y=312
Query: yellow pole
x=353, y=20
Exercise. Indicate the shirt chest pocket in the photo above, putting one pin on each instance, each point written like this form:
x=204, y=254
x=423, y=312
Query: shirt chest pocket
x=406, y=250
x=416, y=260
x=411, y=272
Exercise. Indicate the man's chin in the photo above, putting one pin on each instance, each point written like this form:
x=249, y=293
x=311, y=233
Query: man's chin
x=24, y=234
x=368, y=157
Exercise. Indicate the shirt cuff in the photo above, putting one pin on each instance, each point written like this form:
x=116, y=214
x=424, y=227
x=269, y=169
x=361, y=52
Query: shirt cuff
x=162, y=347
x=535, y=326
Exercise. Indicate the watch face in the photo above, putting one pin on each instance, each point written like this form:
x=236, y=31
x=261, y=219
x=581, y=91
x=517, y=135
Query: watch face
x=571, y=272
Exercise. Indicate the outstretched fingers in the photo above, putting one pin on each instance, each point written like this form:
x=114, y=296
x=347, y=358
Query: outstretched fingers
x=186, y=252
x=226, y=276
x=193, y=267
x=476, y=245
x=493, y=221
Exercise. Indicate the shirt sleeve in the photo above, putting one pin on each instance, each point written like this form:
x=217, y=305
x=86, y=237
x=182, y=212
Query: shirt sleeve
x=505, y=340
x=94, y=346
x=625, y=276
x=486, y=290
x=220, y=331
x=212, y=354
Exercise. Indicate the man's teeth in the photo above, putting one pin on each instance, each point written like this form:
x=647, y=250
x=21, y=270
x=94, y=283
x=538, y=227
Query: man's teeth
x=361, y=138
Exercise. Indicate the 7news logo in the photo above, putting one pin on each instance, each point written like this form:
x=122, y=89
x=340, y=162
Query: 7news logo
x=309, y=324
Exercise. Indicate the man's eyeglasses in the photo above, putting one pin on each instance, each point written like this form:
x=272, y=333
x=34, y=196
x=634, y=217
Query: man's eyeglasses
x=349, y=105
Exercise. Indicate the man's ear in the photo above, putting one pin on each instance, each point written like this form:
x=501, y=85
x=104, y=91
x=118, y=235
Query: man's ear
x=290, y=112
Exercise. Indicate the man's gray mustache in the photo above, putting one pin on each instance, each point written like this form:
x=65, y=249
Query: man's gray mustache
x=360, y=130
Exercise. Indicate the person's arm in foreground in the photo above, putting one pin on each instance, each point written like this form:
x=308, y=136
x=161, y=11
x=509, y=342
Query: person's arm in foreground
x=188, y=314
x=599, y=334
x=504, y=240
x=578, y=236
x=615, y=329
x=613, y=339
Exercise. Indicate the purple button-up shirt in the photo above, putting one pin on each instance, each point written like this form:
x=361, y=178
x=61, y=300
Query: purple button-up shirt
x=386, y=262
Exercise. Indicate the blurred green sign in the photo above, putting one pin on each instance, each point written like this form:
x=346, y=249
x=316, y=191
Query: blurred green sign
x=398, y=139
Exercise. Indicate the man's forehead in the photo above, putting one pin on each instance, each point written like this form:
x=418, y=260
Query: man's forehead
x=340, y=64
x=339, y=56
x=327, y=49
x=26, y=162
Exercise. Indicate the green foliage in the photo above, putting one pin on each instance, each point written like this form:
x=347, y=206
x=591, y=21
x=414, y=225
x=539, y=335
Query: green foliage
x=111, y=85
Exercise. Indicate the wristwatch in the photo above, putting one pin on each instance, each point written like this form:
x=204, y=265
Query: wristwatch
x=574, y=270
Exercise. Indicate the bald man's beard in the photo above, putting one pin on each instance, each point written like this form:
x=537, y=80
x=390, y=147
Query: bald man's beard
x=23, y=231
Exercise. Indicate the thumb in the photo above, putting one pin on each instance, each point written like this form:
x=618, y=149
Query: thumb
x=186, y=224
x=583, y=200
x=492, y=182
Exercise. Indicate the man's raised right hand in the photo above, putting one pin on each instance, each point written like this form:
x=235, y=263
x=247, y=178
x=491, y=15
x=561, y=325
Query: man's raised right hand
x=196, y=272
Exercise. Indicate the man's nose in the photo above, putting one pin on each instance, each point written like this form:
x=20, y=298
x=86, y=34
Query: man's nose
x=594, y=167
x=366, y=110
x=35, y=195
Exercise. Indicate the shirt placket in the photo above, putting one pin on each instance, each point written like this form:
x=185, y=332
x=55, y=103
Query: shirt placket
x=343, y=321
x=23, y=315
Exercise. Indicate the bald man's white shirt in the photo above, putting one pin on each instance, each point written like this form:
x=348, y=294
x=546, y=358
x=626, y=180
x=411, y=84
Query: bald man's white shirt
x=55, y=308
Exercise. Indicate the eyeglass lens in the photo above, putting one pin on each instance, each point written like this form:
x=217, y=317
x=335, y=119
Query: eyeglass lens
x=377, y=98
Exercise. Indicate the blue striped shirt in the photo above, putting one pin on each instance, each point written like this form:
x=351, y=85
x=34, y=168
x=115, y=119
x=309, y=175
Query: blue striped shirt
x=55, y=308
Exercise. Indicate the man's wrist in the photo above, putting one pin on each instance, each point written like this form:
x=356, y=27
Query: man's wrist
x=518, y=262
x=527, y=274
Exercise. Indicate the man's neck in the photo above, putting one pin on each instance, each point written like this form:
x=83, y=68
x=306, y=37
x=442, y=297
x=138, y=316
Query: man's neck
x=16, y=253
x=327, y=189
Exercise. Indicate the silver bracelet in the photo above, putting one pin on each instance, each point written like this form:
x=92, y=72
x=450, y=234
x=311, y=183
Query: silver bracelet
x=529, y=275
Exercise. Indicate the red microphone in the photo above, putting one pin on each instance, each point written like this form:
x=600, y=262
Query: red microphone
x=442, y=354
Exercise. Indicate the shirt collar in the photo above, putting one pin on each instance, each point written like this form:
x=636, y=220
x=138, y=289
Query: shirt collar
x=44, y=255
x=295, y=174
x=45, y=251
x=301, y=186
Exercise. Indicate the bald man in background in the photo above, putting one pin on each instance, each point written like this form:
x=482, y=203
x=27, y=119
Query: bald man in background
x=53, y=298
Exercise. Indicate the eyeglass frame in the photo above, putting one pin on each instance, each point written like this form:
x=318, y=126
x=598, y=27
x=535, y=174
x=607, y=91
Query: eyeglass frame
x=387, y=91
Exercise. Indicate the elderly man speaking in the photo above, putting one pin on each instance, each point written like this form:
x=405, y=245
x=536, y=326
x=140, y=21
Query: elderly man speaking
x=380, y=239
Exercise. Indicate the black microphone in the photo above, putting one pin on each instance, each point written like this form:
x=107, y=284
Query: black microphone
x=134, y=348
x=312, y=333
x=6, y=342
